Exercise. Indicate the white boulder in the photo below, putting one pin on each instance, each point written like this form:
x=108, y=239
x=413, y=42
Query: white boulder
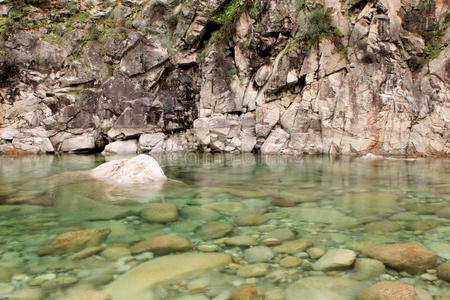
x=140, y=169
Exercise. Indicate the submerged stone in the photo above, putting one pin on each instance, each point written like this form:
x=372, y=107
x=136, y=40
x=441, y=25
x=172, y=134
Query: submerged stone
x=214, y=230
x=162, y=245
x=443, y=271
x=318, y=215
x=75, y=241
x=403, y=257
x=368, y=268
x=160, y=212
x=293, y=247
x=388, y=291
x=335, y=259
x=258, y=254
x=253, y=270
x=135, y=283
x=320, y=288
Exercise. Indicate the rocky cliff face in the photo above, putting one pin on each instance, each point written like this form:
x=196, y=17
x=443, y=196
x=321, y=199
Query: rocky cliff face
x=330, y=76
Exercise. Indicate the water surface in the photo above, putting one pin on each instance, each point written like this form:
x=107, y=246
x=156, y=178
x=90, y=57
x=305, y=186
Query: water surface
x=336, y=203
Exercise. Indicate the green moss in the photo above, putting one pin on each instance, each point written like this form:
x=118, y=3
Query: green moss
x=318, y=25
x=431, y=53
x=228, y=13
x=54, y=39
x=246, y=44
x=291, y=45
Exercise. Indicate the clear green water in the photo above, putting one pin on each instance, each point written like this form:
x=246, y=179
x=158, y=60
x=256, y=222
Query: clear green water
x=338, y=204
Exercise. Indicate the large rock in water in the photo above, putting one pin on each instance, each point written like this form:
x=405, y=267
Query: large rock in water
x=403, y=257
x=75, y=241
x=137, y=170
x=386, y=290
x=135, y=283
x=322, y=287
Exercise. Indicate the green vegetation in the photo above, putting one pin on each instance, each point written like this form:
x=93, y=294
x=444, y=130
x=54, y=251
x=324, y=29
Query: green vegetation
x=54, y=39
x=228, y=14
x=318, y=25
x=431, y=53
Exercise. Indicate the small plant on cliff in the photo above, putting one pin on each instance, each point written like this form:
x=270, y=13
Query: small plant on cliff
x=319, y=24
x=228, y=13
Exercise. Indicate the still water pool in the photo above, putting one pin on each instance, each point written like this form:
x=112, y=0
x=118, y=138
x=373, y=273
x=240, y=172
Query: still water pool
x=245, y=227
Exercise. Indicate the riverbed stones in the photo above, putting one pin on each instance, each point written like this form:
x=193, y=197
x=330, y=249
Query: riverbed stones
x=315, y=253
x=422, y=225
x=135, y=283
x=283, y=234
x=290, y=261
x=293, y=247
x=89, y=295
x=442, y=249
x=214, y=230
x=253, y=270
x=86, y=253
x=75, y=241
x=250, y=219
x=160, y=212
x=335, y=259
x=27, y=294
x=386, y=290
x=226, y=207
x=244, y=293
x=383, y=226
x=161, y=245
x=59, y=282
x=443, y=213
x=318, y=215
x=322, y=287
x=115, y=252
x=443, y=271
x=241, y=241
x=141, y=169
x=283, y=203
x=368, y=268
x=199, y=213
x=258, y=254
x=403, y=257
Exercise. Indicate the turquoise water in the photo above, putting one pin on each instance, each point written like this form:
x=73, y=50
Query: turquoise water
x=334, y=203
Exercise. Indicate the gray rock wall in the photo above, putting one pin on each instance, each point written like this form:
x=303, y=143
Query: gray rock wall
x=291, y=77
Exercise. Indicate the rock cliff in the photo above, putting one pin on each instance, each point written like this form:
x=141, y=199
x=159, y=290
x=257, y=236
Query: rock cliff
x=290, y=77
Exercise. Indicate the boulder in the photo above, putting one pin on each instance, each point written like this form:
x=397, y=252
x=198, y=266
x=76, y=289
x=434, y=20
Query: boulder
x=258, y=254
x=320, y=288
x=135, y=283
x=253, y=270
x=121, y=147
x=386, y=290
x=214, y=230
x=149, y=141
x=162, y=245
x=443, y=271
x=335, y=259
x=141, y=169
x=368, y=268
x=160, y=212
x=403, y=257
x=293, y=247
x=84, y=142
x=75, y=241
